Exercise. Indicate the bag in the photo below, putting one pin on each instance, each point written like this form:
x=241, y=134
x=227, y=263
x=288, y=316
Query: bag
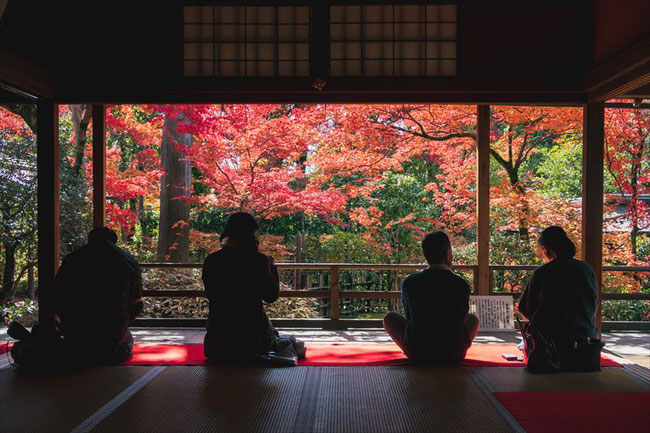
x=582, y=355
x=37, y=350
x=540, y=354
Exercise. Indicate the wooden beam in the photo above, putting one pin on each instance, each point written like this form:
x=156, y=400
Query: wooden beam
x=11, y=95
x=639, y=92
x=484, y=90
x=483, y=200
x=24, y=76
x=593, y=146
x=99, y=165
x=620, y=75
x=376, y=96
x=48, y=207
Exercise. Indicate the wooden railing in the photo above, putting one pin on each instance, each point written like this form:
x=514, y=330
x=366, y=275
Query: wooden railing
x=605, y=296
x=334, y=292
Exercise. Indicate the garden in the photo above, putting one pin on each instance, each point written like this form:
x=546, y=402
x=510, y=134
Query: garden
x=342, y=183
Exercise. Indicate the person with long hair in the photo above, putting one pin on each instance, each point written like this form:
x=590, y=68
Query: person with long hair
x=237, y=279
x=560, y=297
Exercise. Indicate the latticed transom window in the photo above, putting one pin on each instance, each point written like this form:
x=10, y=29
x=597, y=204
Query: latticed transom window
x=393, y=40
x=246, y=41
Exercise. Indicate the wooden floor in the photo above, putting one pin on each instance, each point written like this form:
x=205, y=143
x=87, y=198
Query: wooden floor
x=298, y=399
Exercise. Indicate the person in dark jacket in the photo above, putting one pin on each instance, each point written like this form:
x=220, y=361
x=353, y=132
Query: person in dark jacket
x=237, y=279
x=438, y=328
x=97, y=292
x=560, y=297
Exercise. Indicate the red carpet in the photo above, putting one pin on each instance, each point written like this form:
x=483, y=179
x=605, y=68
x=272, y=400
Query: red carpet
x=167, y=354
x=570, y=412
x=4, y=348
x=336, y=354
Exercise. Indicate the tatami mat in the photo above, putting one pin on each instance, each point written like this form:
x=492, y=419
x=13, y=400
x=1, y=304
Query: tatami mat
x=307, y=399
x=503, y=379
x=403, y=399
x=219, y=399
x=299, y=399
x=31, y=402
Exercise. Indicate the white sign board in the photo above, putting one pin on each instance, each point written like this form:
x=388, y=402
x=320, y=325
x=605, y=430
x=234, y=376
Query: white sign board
x=496, y=313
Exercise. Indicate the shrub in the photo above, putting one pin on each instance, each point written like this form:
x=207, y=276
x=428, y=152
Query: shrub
x=626, y=310
x=24, y=312
x=190, y=279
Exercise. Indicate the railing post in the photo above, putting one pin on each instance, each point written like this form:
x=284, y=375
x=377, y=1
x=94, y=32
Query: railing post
x=483, y=200
x=491, y=283
x=334, y=292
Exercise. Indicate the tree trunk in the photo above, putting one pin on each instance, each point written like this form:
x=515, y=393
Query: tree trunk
x=30, y=270
x=9, y=271
x=636, y=168
x=297, y=274
x=174, y=229
x=522, y=217
x=144, y=226
x=81, y=115
x=633, y=239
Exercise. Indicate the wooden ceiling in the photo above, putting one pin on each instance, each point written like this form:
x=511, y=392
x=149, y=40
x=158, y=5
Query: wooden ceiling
x=540, y=51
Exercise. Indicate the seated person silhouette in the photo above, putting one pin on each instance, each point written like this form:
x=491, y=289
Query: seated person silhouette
x=560, y=298
x=237, y=278
x=437, y=329
x=97, y=292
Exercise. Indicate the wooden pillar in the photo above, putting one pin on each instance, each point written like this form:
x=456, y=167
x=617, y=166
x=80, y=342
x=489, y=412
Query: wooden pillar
x=483, y=200
x=593, y=147
x=99, y=165
x=47, y=114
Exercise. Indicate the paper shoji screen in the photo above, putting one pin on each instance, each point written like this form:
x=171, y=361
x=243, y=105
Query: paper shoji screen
x=246, y=41
x=393, y=40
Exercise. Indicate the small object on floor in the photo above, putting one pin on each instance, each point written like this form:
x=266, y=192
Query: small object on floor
x=520, y=346
x=510, y=357
x=272, y=359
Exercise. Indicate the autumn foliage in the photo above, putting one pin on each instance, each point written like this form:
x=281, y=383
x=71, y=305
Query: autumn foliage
x=382, y=174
